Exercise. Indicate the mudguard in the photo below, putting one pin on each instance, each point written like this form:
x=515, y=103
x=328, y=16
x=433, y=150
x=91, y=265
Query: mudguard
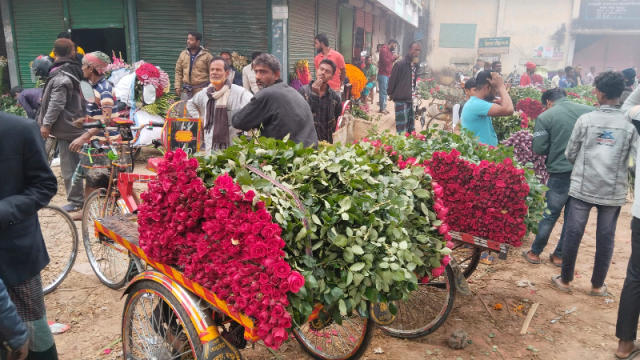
x=214, y=346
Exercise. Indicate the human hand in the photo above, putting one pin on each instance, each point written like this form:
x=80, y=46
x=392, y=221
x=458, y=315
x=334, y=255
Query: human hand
x=496, y=80
x=44, y=132
x=21, y=353
x=317, y=85
x=77, y=144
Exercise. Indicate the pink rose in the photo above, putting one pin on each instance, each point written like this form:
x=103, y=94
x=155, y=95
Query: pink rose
x=296, y=281
x=281, y=269
x=285, y=321
x=267, y=231
x=258, y=250
x=280, y=334
x=269, y=341
x=249, y=195
x=241, y=302
x=267, y=289
x=264, y=279
x=450, y=243
x=284, y=285
x=445, y=260
x=437, y=271
x=277, y=311
x=222, y=213
x=424, y=280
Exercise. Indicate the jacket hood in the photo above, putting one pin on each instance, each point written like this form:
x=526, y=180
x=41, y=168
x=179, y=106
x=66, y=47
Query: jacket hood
x=202, y=50
x=69, y=67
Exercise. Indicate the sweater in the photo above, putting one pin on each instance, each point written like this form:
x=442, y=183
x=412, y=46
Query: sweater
x=239, y=97
x=401, y=81
x=553, y=130
x=278, y=111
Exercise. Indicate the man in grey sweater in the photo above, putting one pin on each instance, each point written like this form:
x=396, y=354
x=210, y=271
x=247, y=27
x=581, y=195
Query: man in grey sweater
x=277, y=110
x=237, y=98
x=599, y=149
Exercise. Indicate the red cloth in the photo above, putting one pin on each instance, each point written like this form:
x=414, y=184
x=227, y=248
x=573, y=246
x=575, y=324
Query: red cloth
x=525, y=80
x=338, y=59
x=537, y=79
x=385, y=64
x=531, y=65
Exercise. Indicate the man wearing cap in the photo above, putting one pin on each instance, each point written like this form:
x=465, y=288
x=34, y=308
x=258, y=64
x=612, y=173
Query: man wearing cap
x=629, y=79
x=527, y=78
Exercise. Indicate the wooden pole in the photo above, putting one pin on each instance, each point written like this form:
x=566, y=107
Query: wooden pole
x=527, y=321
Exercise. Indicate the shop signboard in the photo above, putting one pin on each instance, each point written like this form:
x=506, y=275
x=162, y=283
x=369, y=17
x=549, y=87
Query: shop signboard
x=496, y=45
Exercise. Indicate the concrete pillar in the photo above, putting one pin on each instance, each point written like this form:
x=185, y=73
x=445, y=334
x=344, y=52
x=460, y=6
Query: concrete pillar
x=430, y=39
x=278, y=28
x=7, y=25
x=500, y=25
x=571, y=47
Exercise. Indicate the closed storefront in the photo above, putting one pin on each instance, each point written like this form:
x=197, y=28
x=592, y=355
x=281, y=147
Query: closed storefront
x=163, y=26
x=239, y=25
x=302, y=31
x=37, y=24
x=328, y=21
x=105, y=32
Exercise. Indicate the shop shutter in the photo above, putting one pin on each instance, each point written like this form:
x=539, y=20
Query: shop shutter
x=328, y=21
x=37, y=25
x=382, y=35
x=163, y=26
x=96, y=14
x=302, y=31
x=368, y=22
x=239, y=25
x=359, y=18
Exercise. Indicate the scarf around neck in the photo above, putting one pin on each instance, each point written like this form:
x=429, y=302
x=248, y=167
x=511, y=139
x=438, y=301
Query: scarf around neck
x=217, y=112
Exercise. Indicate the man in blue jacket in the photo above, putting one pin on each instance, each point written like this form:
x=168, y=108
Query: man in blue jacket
x=23, y=254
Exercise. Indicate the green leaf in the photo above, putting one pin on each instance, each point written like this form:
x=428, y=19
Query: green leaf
x=261, y=183
x=349, y=232
x=315, y=219
x=345, y=216
x=403, y=245
x=357, y=266
x=342, y=306
x=302, y=233
x=410, y=183
x=384, y=265
x=393, y=309
x=349, y=278
x=357, y=279
x=334, y=168
x=369, y=294
x=337, y=293
x=345, y=203
x=357, y=250
x=340, y=241
x=279, y=218
x=422, y=193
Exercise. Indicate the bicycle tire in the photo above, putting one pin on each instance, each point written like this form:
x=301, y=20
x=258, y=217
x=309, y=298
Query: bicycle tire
x=116, y=273
x=469, y=261
x=51, y=278
x=365, y=335
x=423, y=328
x=154, y=329
x=434, y=118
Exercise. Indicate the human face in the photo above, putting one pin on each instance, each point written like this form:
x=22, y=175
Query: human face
x=570, y=73
x=486, y=92
x=16, y=96
x=264, y=76
x=368, y=61
x=414, y=52
x=498, y=67
x=87, y=71
x=192, y=43
x=392, y=47
x=226, y=58
x=579, y=69
x=319, y=46
x=470, y=92
x=324, y=73
x=217, y=75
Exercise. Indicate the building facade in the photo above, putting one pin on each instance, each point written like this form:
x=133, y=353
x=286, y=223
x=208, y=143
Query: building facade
x=156, y=30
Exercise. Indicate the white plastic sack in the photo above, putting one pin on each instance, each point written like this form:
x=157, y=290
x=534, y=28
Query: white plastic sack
x=147, y=135
x=124, y=87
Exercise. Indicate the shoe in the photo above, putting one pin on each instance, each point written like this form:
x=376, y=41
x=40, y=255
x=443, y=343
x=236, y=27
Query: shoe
x=55, y=162
x=71, y=208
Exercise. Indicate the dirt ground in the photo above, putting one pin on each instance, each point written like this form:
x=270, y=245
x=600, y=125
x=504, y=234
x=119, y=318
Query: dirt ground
x=94, y=312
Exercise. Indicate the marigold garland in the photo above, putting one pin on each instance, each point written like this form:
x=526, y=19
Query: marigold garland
x=357, y=79
x=302, y=70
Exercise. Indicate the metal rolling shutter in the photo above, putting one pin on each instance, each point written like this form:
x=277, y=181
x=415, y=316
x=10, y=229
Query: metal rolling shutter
x=302, y=31
x=368, y=22
x=328, y=21
x=35, y=32
x=360, y=18
x=163, y=26
x=239, y=25
x=96, y=14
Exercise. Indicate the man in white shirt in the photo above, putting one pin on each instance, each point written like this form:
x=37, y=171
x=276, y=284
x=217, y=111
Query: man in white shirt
x=590, y=76
x=249, y=77
x=555, y=81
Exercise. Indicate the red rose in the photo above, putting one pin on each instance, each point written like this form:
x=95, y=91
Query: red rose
x=437, y=271
x=281, y=269
x=296, y=281
x=258, y=250
x=277, y=311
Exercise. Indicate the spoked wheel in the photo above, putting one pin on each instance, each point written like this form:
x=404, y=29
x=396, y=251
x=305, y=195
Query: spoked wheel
x=109, y=260
x=328, y=340
x=61, y=239
x=156, y=326
x=467, y=257
x=426, y=309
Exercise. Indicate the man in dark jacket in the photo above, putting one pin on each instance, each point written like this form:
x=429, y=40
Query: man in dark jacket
x=61, y=105
x=29, y=99
x=629, y=79
x=402, y=88
x=23, y=253
x=325, y=103
x=12, y=329
x=277, y=110
x=550, y=138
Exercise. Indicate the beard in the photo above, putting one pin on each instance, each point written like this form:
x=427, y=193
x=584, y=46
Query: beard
x=490, y=97
x=318, y=51
x=217, y=82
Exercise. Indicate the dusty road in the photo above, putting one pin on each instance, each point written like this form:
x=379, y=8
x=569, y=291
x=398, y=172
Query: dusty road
x=94, y=312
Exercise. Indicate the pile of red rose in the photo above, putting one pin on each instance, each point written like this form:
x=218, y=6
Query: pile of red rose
x=222, y=239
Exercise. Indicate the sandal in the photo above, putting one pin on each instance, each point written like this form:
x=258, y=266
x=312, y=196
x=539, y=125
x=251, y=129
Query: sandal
x=525, y=254
x=632, y=355
x=558, y=286
x=553, y=262
x=600, y=294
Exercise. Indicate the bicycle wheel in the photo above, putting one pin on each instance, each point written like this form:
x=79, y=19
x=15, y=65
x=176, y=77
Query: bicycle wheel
x=156, y=326
x=435, y=118
x=109, y=260
x=61, y=239
x=426, y=309
x=467, y=256
x=329, y=340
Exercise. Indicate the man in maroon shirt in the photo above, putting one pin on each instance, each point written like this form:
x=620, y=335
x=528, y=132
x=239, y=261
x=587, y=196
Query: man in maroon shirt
x=385, y=64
